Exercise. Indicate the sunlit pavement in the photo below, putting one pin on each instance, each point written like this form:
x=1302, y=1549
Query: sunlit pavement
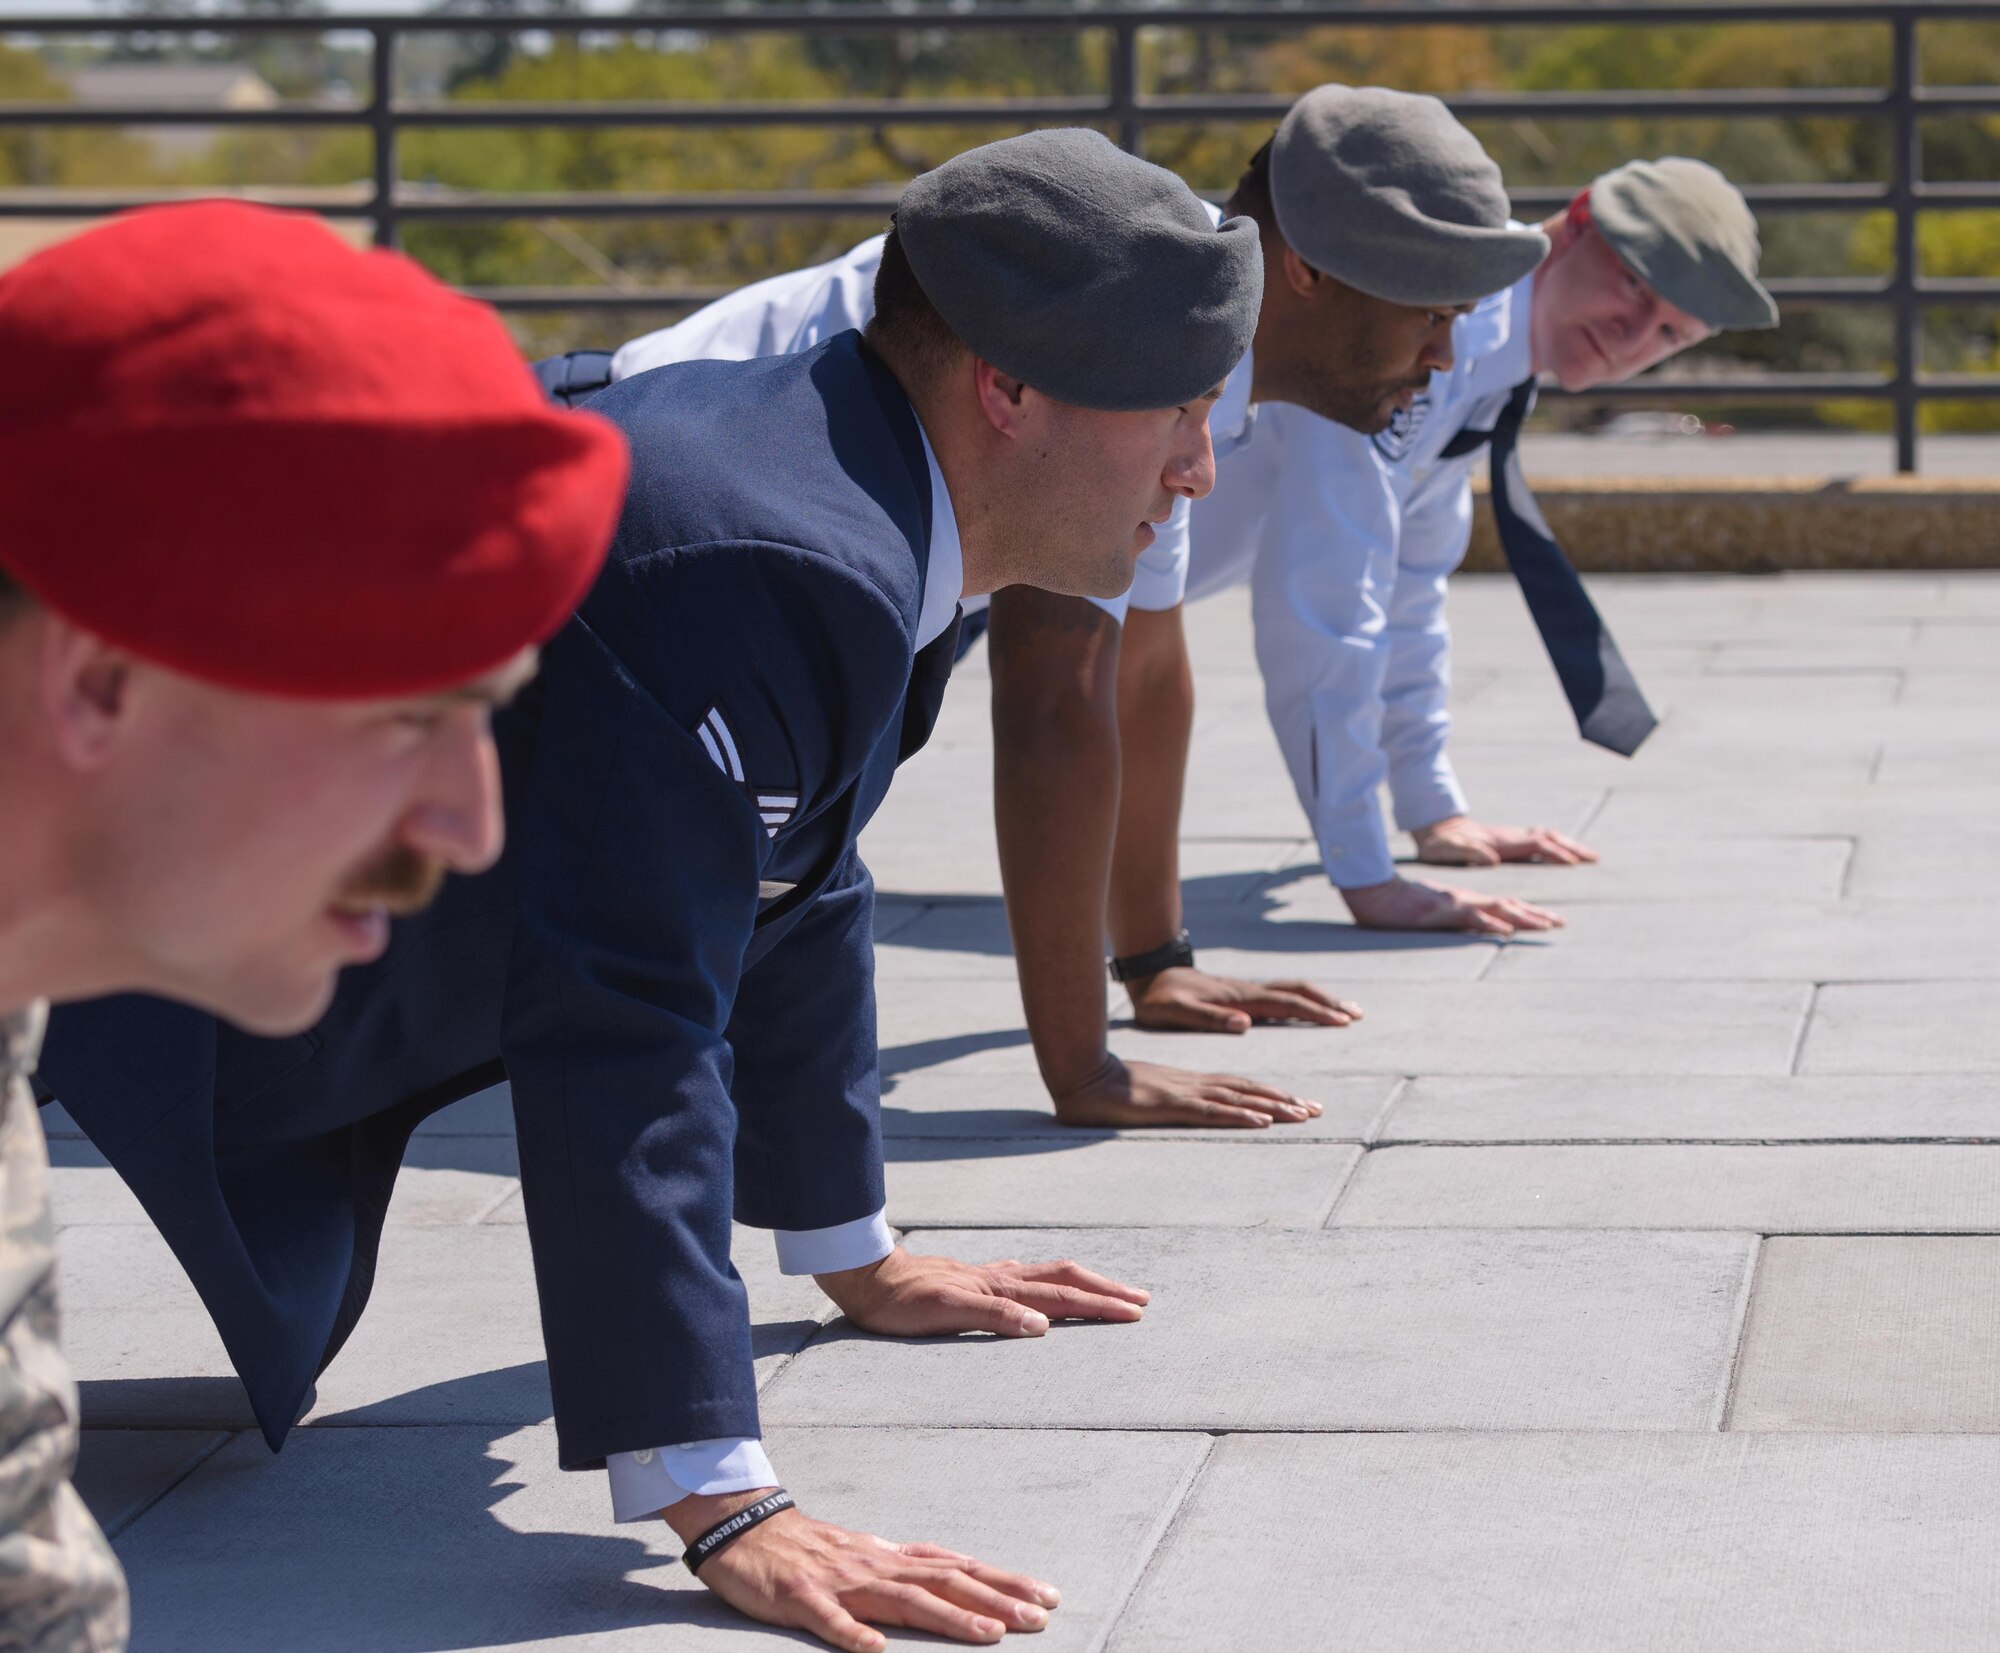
x=1639, y=1288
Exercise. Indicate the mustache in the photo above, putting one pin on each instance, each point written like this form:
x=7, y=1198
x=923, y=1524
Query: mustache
x=400, y=881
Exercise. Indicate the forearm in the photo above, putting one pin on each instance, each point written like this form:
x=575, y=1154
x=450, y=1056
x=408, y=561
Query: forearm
x=1055, y=789
x=1155, y=728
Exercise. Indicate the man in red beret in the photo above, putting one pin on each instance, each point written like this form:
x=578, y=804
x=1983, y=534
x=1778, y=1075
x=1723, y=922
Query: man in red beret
x=237, y=736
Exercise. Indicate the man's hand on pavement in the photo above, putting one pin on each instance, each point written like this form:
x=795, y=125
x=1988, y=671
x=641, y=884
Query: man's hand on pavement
x=1460, y=841
x=906, y=1296
x=812, y=1576
x=1147, y=1094
x=1410, y=904
x=1186, y=998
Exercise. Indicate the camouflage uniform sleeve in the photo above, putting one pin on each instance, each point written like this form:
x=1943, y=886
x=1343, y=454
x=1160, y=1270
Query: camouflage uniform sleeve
x=61, y=1590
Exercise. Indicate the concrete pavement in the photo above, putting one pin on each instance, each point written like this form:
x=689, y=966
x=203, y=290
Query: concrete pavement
x=1640, y=1288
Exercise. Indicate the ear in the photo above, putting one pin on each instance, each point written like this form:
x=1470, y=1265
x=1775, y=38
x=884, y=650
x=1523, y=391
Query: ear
x=86, y=692
x=1573, y=226
x=1300, y=276
x=1002, y=398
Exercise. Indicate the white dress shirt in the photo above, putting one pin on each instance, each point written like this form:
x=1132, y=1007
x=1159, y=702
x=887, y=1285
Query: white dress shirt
x=795, y=312
x=645, y=1482
x=1347, y=542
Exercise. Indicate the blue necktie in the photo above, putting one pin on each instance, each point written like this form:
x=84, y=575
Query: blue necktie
x=1610, y=710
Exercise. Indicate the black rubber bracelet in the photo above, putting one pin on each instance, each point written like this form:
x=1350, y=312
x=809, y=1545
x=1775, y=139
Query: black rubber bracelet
x=725, y=1533
x=1177, y=954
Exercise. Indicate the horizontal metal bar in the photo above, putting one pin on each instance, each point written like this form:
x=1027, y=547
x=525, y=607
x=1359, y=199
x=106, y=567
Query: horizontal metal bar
x=1958, y=289
x=1788, y=103
x=423, y=201
x=81, y=114
x=845, y=18
x=1776, y=103
x=419, y=201
x=1955, y=196
x=1957, y=100
x=95, y=203
x=1930, y=290
x=800, y=203
x=1958, y=387
x=828, y=112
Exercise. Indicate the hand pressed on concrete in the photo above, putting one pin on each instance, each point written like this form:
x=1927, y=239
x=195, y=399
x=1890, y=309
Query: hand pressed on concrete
x=907, y=1296
x=811, y=1575
x=1412, y=904
x=1185, y=998
x=1460, y=841
x=1145, y=1094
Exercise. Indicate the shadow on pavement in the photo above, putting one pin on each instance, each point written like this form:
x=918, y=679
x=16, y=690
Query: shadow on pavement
x=985, y=1133
x=1218, y=912
x=898, y=1060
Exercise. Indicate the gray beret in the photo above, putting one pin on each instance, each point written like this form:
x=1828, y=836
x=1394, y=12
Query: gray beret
x=1096, y=277
x=1387, y=192
x=1687, y=232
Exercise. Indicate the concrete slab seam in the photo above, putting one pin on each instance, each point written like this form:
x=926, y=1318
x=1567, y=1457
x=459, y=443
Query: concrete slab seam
x=502, y=1198
x=225, y=1437
x=1596, y=809
x=1328, y=1223
x=1846, y=885
x=1339, y=1188
x=1805, y=1029
x=1371, y=1132
x=1155, y=1542
x=1745, y=1293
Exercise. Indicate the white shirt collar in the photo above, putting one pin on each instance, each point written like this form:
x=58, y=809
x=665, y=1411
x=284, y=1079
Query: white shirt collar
x=1515, y=359
x=944, y=581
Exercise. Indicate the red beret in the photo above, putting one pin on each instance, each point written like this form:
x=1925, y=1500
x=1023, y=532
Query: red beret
x=238, y=447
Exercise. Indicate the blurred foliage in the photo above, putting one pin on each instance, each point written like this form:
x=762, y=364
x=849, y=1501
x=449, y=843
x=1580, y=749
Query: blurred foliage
x=931, y=60
x=60, y=157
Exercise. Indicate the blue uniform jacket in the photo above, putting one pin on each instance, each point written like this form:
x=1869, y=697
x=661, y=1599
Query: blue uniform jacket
x=673, y=962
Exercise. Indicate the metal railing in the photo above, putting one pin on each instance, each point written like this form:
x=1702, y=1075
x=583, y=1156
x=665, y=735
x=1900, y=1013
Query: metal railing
x=1127, y=111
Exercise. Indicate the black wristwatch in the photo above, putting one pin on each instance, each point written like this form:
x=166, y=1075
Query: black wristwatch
x=1177, y=954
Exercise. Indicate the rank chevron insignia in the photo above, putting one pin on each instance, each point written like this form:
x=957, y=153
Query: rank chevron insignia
x=775, y=806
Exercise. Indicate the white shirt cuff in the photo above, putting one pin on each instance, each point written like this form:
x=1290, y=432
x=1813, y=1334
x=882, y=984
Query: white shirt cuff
x=645, y=1482
x=1355, y=849
x=828, y=1250
x=1434, y=795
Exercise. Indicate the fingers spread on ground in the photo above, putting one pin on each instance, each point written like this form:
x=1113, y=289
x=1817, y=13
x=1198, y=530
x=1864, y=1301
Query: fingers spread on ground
x=1016, y=1584
x=1257, y=1098
x=917, y=1608
x=1233, y=1087
x=923, y=1550
x=1016, y=1609
x=1075, y=1303
x=1067, y=1273
x=817, y=1612
x=998, y=1311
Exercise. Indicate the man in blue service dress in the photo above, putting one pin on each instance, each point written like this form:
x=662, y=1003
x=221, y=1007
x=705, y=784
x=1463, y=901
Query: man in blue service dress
x=673, y=964
x=1093, y=697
